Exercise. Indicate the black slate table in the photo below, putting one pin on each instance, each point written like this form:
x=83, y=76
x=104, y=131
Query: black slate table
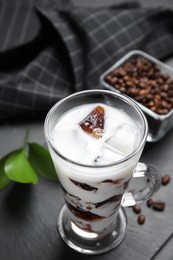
x=28, y=213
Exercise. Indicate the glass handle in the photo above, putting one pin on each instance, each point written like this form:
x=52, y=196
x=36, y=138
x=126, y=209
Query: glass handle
x=132, y=197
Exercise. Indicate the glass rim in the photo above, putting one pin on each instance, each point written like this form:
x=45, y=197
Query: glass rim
x=121, y=96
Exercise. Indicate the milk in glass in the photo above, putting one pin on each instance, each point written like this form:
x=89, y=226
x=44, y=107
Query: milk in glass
x=93, y=138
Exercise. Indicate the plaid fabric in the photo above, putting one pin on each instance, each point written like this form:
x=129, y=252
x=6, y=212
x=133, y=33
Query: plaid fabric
x=48, y=50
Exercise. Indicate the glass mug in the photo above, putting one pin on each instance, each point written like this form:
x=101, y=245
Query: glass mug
x=93, y=220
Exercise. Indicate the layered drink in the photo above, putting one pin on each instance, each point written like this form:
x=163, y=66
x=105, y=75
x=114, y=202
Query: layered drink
x=93, y=140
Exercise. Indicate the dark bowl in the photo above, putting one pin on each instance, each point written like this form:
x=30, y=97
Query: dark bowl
x=160, y=121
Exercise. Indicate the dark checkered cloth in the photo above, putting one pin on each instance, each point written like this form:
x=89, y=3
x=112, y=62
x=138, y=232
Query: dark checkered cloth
x=48, y=51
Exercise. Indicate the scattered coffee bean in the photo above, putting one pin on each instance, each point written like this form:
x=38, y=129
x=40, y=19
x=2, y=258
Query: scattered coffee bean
x=159, y=205
x=141, y=219
x=137, y=209
x=143, y=80
x=150, y=203
x=166, y=179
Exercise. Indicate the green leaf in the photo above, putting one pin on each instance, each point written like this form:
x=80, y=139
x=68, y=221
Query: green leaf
x=18, y=169
x=4, y=180
x=41, y=161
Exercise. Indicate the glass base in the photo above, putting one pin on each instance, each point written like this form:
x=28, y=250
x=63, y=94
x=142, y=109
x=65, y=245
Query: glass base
x=89, y=242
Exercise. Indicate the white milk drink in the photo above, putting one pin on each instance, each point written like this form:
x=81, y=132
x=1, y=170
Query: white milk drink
x=92, y=178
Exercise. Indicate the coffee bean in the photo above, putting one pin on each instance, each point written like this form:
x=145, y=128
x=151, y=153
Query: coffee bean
x=144, y=81
x=137, y=209
x=159, y=205
x=141, y=219
x=166, y=179
x=149, y=203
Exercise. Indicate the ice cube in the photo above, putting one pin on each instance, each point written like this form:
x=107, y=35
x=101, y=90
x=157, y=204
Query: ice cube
x=110, y=155
x=94, y=150
x=123, y=139
x=110, y=124
x=70, y=141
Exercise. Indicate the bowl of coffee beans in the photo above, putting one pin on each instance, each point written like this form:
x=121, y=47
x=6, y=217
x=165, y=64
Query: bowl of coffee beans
x=149, y=82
